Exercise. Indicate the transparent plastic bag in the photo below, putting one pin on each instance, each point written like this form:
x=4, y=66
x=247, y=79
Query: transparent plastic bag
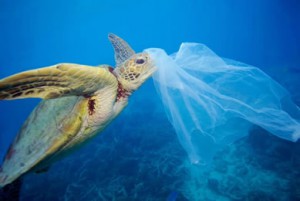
x=211, y=102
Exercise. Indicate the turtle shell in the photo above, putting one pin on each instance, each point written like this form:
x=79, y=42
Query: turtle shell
x=44, y=131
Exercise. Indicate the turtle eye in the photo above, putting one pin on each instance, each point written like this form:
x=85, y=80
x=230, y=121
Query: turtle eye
x=140, y=61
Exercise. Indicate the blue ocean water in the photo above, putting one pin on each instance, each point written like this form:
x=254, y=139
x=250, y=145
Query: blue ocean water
x=138, y=156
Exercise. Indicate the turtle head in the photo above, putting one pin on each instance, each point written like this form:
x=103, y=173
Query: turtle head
x=132, y=69
x=135, y=71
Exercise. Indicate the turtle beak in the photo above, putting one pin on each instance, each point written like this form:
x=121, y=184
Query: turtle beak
x=148, y=73
x=151, y=68
x=151, y=64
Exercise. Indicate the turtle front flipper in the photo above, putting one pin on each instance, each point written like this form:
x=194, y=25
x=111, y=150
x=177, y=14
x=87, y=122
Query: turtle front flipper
x=121, y=48
x=56, y=81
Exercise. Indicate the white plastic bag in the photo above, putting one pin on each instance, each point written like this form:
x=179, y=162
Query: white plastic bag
x=211, y=102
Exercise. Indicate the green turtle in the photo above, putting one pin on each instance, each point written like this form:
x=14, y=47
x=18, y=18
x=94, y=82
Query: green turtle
x=79, y=102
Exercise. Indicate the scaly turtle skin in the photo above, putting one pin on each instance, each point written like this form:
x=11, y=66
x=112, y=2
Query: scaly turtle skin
x=79, y=102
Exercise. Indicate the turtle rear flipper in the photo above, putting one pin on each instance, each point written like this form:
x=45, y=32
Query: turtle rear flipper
x=11, y=191
x=56, y=81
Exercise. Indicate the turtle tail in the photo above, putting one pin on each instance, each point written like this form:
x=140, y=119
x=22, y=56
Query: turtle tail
x=11, y=192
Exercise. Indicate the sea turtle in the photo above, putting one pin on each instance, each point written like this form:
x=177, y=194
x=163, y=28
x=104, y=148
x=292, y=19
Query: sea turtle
x=79, y=102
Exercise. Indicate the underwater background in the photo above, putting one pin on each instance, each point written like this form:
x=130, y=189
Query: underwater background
x=138, y=156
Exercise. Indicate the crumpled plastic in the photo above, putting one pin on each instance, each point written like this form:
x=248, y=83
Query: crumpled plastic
x=212, y=102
